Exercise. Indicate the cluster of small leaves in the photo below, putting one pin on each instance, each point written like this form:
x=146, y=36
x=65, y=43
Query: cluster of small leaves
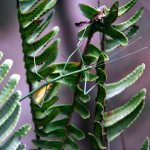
x=10, y=110
x=53, y=121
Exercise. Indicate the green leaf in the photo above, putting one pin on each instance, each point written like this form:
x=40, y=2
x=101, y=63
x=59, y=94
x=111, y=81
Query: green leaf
x=120, y=113
x=98, y=130
x=95, y=143
x=76, y=132
x=112, y=32
x=85, y=32
x=101, y=93
x=99, y=111
x=60, y=109
x=88, y=11
x=146, y=144
x=38, y=12
x=9, y=107
x=8, y=89
x=112, y=44
x=81, y=109
x=132, y=31
x=123, y=9
x=36, y=28
x=113, y=14
x=13, y=142
x=46, y=104
x=116, y=129
x=71, y=144
x=50, y=51
x=88, y=76
x=102, y=77
x=58, y=124
x=81, y=96
x=93, y=54
x=125, y=25
x=58, y=133
x=29, y=47
x=114, y=89
x=4, y=68
x=9, y=124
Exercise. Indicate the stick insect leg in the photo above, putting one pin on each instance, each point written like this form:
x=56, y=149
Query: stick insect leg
x=77, y=49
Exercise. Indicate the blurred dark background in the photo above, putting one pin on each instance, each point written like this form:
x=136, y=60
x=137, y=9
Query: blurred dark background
x=68, y=13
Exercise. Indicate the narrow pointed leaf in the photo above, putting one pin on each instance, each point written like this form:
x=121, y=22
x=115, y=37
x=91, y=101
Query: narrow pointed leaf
x=95, y=143
x=9, y=124
x=9, y=107
x=4, y=68
x=113, y=14
x=8, y=89
x=125, y=25
x=76, y=132
x=123, y=9
x=13, y=141
x=118, y=114
x=116, y=129
x=81, y=109
x=88, y=11
x=114, y=89
x=38, y=29
x=38, y=12
x=85, y=32
x=71, y=144
x=112, y=32
x=112, y=44
x=58, y=124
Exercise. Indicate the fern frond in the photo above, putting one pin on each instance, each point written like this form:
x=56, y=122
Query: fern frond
x=10, y=111
x=114, y=89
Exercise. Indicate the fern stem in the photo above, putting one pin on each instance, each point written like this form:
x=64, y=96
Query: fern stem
x=105, y=107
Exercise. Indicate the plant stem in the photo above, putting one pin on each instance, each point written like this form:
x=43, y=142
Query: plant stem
x=105, y=107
